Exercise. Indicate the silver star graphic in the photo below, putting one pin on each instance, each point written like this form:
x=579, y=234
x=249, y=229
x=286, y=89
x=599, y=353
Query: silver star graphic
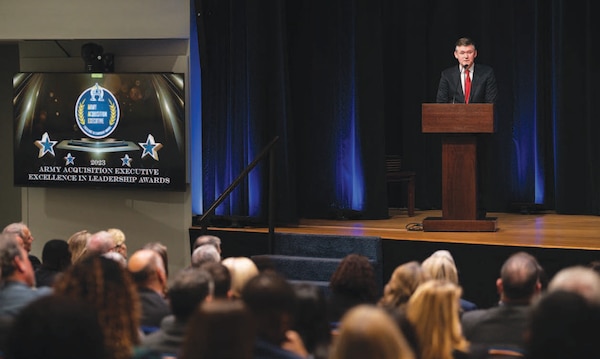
x=150, y=147
x=126, y=160
x=69, y=159
x=45, y=145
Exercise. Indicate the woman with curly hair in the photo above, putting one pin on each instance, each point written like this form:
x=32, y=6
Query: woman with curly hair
x=352, y=283
x=108, y=287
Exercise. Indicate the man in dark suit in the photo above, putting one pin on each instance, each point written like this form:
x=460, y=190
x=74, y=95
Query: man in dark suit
x=454, y=81
x=470, y=83
x=504, y=326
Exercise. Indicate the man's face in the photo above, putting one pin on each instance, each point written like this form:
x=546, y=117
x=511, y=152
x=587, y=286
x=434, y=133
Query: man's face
x=465, y=55
x=27, y=239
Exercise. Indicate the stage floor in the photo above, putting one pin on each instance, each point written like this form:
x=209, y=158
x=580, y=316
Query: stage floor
x=541, y=230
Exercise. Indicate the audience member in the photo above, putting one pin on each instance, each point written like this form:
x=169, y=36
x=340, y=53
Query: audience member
x=77, y=244
x=55, y=259
x=582, y=280
x=220, y=329
x=352, y=283
x=403, y=283
x=271, y=300
x=441, y=265
x=241, y=269
x=221, y=278
x=563, y=325
x=505, y=324
x=208, y=239
x=23, y=233
x=190, y=287
x=119, y=241
x=108, y=287
x=310, y=319
x=56, y=327
x=433, y=311
x=117, y=257
x=18, y=287
x=161, y=249
x=205, y=253
x=148, y=273
x=99, y=243
x=367, y=331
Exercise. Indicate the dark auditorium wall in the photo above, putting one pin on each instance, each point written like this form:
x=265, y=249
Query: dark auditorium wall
x=10, y=205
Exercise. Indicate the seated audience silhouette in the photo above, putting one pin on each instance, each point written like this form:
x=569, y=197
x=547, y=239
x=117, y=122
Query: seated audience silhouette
x=310, y=319
x=578, y=279
x=241, y=269
x=505, y=324
x=190, y=287
x=271, y=300
x=563, y=325
x=57, y=327
x=108, y=287
x=148, y=273
x=77, y=244
x=205, y=253
x=441, y=265
x=404, y=281
x=433, y=311
x=220, y=329
x=18, y=278
x=221, y=278
x=367, y=331
x=55, y=259
x=352, y=283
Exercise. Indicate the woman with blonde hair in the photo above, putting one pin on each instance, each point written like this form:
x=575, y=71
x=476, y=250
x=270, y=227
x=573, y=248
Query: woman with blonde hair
x=77, y=243
x=108, y=287
x=402, y=284
x=440, y=265
x=433, y=310
x=241, y=269
x=367, y=331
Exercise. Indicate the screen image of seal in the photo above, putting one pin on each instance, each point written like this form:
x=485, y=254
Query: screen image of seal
x=121, y=130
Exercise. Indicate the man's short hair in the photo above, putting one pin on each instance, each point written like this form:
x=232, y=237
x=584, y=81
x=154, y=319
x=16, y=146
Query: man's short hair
x=9, y=249
x=465, y=41
x=207, y=239
x=221, y=277
x=205, y=253
x=189, y=288
x=520, y=275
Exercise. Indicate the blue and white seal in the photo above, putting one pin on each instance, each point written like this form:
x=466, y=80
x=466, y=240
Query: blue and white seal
x=97, y=112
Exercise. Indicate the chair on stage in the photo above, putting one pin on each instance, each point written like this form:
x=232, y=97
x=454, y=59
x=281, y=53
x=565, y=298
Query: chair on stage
x=395, y=174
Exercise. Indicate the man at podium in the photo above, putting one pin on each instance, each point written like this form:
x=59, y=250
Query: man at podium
x=467, y=83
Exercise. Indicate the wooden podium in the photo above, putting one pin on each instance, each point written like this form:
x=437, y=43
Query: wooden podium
x=460, y=124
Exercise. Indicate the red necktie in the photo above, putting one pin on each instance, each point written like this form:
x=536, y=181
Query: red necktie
x=467, y=86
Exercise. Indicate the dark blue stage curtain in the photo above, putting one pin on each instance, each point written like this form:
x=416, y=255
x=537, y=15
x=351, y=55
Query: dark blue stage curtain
x=341, y=82
x=302, y=71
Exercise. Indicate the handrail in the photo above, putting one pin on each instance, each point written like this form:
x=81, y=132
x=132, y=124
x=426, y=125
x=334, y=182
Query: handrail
x=267, y=150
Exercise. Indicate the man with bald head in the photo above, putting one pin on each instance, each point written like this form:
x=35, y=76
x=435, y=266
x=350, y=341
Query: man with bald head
x=505, y=325
x=148, y=272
